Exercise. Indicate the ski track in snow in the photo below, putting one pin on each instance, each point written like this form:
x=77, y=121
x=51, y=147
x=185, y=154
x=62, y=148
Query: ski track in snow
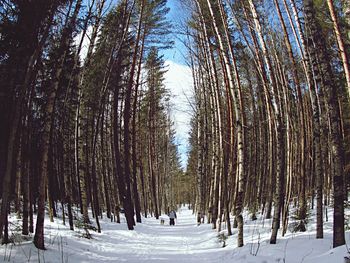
x=184, y=242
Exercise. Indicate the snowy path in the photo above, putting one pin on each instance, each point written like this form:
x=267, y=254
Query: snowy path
x=149, y=242
x=152, y=242
x=182, y=243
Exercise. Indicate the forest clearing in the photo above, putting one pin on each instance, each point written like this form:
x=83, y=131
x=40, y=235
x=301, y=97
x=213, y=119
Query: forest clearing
x=230, y=118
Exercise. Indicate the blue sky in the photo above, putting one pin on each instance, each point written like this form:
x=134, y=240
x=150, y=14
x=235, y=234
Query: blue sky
x=176, y=15
x=179, y=81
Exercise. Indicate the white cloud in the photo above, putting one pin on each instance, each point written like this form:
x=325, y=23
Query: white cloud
x=86, y=42
x=178, y=81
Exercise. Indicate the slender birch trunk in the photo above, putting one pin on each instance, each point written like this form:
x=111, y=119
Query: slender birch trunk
x=341, y=45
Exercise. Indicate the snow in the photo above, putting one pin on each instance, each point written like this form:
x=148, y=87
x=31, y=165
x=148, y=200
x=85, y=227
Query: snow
x=184, y=242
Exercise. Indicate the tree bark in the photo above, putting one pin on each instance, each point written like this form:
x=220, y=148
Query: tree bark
x=49, y=110
x=331, y=92
x=341, y=45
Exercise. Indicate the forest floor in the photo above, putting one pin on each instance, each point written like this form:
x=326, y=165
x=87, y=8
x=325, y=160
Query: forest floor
x=184, y=242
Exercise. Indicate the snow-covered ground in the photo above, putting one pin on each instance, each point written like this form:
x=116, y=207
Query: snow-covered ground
x=184, y=242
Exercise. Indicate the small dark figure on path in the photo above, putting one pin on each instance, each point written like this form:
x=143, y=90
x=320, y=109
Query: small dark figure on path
x=200, y=218
x=172, y=216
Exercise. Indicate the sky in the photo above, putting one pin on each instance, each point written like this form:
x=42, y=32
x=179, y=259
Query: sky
x=177, y=17
x=178, y=81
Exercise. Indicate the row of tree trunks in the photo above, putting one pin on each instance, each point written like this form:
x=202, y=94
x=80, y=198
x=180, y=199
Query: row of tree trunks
x=317, y=46
x=291, y=143
x=69, y=132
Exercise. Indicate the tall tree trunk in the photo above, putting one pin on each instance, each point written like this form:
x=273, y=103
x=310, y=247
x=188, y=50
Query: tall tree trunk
x=238, y=104
x=128, y=204
x=280, y=167
x=134, y=140
x=341, y=45
x=49, y=111
x=317, y=45
x=79, y=164
x=30, y=73
x=303, y=202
